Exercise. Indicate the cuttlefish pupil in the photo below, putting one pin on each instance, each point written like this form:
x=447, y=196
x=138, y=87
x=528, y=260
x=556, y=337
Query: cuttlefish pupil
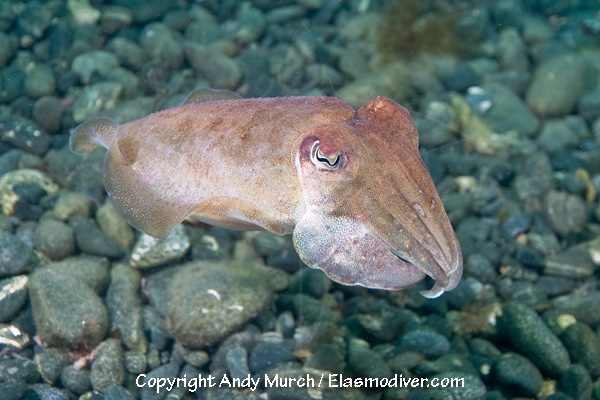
x=322, y=160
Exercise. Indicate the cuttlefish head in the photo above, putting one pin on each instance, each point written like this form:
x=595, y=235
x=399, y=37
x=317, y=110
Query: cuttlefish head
x=372, y=216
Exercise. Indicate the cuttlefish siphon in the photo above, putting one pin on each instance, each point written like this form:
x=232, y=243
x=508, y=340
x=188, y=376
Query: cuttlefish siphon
x=349, y=185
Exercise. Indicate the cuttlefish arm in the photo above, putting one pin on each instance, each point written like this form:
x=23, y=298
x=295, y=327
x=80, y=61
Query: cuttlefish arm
x=349, y=185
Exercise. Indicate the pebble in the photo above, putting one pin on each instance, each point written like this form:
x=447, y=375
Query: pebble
x=462, y=78
x=565, y=212
x=556, y=86
x=509, y=112
x=311, y=282
x=8, y=48
x=118, y=393
x=47, y=113
x=114, y=226
x=284, y=13
x=215, y=244
x=149, y=251
x=92, y=271
x=584, y=346
x=24, y=134
x=54, y=238
x=130, y=83
x=328, y=357
x=82, y=12
x=266, y=243
x=144, y=10
x=366, y=363
x=18, y=369
x=429, y=343
x=195, y=358
x=323, y=75
x=12, y=390
x=44, y=391
x=237, y=362
x=206, y=301
x=307, y=309
x=160, y=42
x=13, y=293
x=516, y=224
x=250, y=24
x=589, y=104
x=129, y=53
x=534, y=178
x=575, y=262
x=96, y=99
x=75, y=380
x=480, y=268
x=66, y=318
x=50, y=363
x=221, y=71
x=578, y=304
x=352, y=63
x=9, y=160
x=473, y=388
x=39, y=81
x=536, y=30
x=511, y=51
x=91, y=240
x=529, y=335
x=107, y=369
x=557, y=135
x=15, y=255
x=267, y=355
x=123, y=304
x=135, y=362
x=554, y=286
x=166, y=371
x=12, y=82
x=114, y=18
x=576, y=382
x=87, y=64
x=517, y=375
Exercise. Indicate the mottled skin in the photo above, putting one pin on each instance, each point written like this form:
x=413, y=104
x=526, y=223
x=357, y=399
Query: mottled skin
x=360, y=202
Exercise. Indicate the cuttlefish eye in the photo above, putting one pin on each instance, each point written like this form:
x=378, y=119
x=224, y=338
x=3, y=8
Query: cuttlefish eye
x=325, y=161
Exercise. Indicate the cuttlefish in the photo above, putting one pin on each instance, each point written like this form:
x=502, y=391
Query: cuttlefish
x=349, y=185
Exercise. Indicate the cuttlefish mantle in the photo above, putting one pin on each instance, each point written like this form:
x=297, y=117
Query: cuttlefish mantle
x=349, y=185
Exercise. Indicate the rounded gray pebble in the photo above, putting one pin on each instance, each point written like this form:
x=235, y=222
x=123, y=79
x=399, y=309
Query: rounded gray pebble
x=47, y=113
x=54, y=238
x=91, y=240
x=584, y=346
x=108, y=369
x=76, y=380
x=517, y=375
x=576, y=382
x=15, y=255
x=529, y=335
x=39, y=81
x=13, y=294
x=557, y=85
x=429, y=343
x=67, y=313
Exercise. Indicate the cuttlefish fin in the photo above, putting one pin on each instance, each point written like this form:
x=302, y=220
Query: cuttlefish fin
x=93, y=133
x=206, y=95
x=143, y=206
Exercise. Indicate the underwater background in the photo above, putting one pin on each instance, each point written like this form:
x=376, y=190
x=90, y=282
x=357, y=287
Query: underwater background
x=506, y=97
